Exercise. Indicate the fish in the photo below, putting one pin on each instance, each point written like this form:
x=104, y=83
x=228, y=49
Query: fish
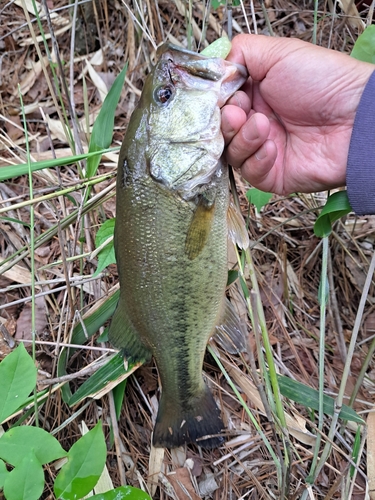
x=171, y=232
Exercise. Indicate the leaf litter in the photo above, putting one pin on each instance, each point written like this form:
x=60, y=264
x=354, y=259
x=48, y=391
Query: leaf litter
x=286, y=254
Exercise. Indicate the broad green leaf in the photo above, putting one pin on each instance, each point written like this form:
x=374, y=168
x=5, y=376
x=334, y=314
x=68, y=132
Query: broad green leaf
x=3, y=474
x=258, y=198
x=13, y=171
x=364, y=47
x=18, y=378
x=337, y=206
x=107, y=255
x=16, y=443
x=92, y=324
x=86, y=460
x=102, y=131
x=109, y=372
x=122, y=493
x=308, y=397
x=26, y=481
x=219, y=48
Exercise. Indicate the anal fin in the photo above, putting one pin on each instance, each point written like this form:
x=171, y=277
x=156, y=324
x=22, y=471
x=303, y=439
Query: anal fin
x=231, y=333
x=123, y=336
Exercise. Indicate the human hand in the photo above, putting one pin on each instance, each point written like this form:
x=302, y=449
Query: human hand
x=289, y=127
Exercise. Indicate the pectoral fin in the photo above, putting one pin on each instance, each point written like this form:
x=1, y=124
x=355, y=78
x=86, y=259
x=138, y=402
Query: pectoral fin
x=230, y=333
x=237, y=230
x=123, y=336
x=199, y=229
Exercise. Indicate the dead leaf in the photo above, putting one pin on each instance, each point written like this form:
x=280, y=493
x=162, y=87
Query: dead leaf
x=24, y=327
x=155, y=467
x=181, y=482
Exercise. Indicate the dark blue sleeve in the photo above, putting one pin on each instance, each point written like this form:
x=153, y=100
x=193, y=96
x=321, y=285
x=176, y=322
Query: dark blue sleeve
x=360, y=172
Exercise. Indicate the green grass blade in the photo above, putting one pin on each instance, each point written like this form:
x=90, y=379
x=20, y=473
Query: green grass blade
x=92, y=324
x=110, y=372
x=309, y=398
x=101, y=136
x=10, y=172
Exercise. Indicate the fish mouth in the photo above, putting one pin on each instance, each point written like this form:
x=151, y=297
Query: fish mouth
x=187, y=65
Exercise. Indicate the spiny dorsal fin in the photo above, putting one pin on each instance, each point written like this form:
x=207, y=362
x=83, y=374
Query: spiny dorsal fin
x=199, y=229
x=230, y=333
x=237, y=231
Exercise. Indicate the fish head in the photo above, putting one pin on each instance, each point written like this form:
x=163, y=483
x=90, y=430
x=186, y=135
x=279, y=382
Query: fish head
x=184, y=93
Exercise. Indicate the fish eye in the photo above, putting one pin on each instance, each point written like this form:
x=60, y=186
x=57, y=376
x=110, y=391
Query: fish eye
x=163, y=94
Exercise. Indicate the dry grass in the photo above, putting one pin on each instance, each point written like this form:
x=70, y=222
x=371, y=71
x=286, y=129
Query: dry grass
x=287, y=256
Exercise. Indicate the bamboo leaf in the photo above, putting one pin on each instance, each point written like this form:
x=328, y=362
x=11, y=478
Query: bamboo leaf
x=110, y=372
x=107, y=255
x=309, y=397
x=10, y=172
x=101, y=136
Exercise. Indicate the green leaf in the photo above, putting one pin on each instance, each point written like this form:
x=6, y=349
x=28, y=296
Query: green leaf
x=18, y=378
x=109, y=372
x=232, y=276
x=86, y=460
x=308, y=397
x=355, y=450
x=16, y=443
x=258, y=198
x=121, y=493
x=13, y=171
x=118, y=396
x=219, y=48
x=16, y=221
x=3, y=474
x=337, y=206
x=102, y=131
x=107, y=255
x=92, y=324
x=364, y=47
x=217, y=3
x=26, y=481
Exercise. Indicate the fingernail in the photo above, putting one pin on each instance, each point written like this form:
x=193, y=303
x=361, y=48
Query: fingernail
x=251, y=130
x=261, y=153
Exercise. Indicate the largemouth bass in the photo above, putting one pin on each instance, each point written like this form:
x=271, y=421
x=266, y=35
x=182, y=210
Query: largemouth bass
x=171, y=236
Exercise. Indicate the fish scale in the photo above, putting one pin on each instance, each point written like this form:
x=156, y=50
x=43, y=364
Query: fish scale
x=171, y=248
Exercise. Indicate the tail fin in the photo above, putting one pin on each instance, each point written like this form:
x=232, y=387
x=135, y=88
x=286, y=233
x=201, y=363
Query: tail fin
x=178, y=424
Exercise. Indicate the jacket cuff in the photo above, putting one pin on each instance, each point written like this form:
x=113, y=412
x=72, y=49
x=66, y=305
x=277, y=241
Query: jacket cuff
x=360, y=172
